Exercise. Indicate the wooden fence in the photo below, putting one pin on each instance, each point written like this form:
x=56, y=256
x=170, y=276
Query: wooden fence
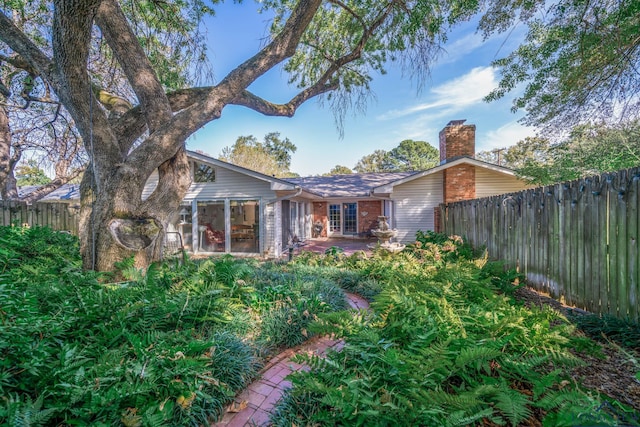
x=62, y=216
x=577, y=241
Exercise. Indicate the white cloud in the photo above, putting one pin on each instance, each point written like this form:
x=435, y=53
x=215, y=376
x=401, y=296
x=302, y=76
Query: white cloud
x=504, y=136
x=460, y=48
x=454, y=95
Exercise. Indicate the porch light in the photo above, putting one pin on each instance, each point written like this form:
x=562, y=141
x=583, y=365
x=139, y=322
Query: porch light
x=183, y=215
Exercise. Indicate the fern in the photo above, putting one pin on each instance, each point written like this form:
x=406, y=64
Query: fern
x=30, y=413
x=513, y=405
x=462, y=418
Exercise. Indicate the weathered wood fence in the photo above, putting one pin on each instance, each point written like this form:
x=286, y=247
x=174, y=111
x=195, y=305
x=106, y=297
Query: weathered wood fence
x=577, y=241
x=59, y=216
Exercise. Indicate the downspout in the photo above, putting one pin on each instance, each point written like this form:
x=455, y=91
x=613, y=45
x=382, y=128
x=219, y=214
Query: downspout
x=279, y=199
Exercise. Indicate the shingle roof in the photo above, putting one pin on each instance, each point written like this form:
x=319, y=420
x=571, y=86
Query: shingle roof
x=65, y=192
x=354, y=185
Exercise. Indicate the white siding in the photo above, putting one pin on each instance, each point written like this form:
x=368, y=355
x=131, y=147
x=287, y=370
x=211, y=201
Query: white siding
x=491, y=183
x=228, y=184
x=414, y=202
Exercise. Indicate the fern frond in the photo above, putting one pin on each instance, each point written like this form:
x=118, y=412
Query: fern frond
x=513, y=405
x=462, y=418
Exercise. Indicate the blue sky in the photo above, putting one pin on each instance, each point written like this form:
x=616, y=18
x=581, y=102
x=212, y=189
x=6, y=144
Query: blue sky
x=460, y=79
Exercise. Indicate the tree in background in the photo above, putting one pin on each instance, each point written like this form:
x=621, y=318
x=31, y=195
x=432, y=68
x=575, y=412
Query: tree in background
x=412, y=155
x=378, y=161
x=589, y=150
x=32, y=120
x=270, y=157
x=338, y=170
x=409, y=155
x=30, y=173
x=579, y=61
x=280, y=149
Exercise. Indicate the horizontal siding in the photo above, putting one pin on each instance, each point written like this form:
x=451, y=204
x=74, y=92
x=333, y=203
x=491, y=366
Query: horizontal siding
x=491, y=183
x=414, y=204
x=228, y=184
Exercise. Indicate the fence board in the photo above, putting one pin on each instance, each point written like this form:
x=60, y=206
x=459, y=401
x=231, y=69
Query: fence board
x=59, y=216
x=588, y=229
x=632, y=245
x=621, y=243
x=599, y=274
x=578, y=241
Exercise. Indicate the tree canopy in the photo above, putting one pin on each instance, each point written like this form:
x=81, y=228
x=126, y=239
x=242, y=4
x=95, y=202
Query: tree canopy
x=579, y=63
x=409, y=155
x=30, y=173
x=589, y=150
x=271, y=157
x=338, y=170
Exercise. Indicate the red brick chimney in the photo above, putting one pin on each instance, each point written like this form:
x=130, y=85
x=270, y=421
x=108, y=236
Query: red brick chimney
x=458, y=140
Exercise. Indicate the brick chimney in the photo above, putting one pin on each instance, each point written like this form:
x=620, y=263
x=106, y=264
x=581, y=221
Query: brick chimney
x=458, y=140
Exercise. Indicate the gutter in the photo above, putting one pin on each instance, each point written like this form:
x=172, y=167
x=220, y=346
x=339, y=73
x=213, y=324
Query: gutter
x=287, y=197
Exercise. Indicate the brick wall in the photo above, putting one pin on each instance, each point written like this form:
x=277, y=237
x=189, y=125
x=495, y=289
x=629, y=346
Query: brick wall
x=368, y=213
x=459, y=183
x=457, y=139
x=320, y=214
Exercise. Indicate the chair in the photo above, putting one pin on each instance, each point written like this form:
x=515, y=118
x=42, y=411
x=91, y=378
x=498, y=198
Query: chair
x=214, y=237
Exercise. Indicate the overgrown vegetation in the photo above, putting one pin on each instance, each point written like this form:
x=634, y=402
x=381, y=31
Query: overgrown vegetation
x=444, y=344
x=609, y=328
x=168, y=346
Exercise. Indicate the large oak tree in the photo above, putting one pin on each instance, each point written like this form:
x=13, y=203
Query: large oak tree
x=330, y=48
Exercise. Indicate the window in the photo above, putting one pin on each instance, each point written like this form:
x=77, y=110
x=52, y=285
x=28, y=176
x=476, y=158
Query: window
x=203, y=173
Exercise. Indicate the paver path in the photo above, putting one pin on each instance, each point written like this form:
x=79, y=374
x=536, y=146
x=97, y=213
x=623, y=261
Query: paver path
x=252, y=406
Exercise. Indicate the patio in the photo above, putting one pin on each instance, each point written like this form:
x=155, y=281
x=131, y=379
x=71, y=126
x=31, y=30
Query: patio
x=321, y=244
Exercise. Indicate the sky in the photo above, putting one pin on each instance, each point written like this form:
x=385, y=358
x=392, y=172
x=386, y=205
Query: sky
x=399, y=110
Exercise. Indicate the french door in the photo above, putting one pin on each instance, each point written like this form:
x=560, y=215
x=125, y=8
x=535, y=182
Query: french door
x=343, y=218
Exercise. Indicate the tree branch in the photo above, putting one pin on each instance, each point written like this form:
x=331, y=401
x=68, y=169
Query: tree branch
x=134, y=62
x=282, y=47
x=249, y=100
x=29, y=56
x=50, y=187
x=72, y=24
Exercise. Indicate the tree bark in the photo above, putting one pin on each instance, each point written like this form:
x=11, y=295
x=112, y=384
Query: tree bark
x=8, y=160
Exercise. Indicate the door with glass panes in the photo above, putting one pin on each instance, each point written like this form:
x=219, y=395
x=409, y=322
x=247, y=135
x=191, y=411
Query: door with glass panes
x=343, y=218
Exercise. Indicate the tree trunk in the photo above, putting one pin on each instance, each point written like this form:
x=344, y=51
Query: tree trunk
x=116, y=228
x=8, y=187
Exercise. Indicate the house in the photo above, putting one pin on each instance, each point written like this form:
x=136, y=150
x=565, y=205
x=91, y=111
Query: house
x=231, y=209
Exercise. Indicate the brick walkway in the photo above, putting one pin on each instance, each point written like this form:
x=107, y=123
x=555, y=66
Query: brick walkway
x=252, y=406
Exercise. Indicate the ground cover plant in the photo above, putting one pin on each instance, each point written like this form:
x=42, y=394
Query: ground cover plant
x=445, y=343
x=167, y=346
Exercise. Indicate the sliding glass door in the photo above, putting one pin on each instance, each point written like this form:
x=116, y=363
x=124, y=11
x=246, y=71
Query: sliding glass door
x=245, y=226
